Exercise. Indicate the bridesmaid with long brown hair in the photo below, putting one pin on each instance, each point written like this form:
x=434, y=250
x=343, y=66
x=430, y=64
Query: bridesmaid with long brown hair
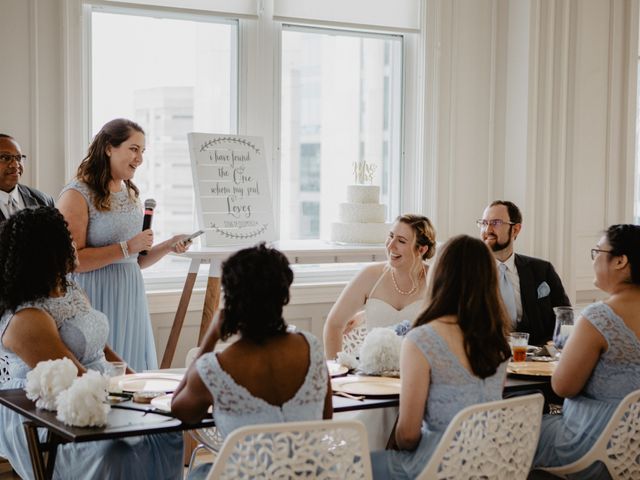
x=456, y=355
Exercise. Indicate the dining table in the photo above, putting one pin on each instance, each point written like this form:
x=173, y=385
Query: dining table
x=128, y=418
x=123, y=420
x=379, y=412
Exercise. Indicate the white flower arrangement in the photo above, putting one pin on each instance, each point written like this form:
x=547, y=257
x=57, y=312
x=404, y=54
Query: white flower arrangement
x=380, y=353
x=83, y=404
x=48, y=379
x=348, y=360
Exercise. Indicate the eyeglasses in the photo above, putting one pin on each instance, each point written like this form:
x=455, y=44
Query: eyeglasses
x=596, y=251
x=6, y=158
x=482, y=224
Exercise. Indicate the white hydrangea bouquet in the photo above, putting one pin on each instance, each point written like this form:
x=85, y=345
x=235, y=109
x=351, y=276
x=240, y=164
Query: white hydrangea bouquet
x=48, y=379
x=79, y=401
x=379, y=352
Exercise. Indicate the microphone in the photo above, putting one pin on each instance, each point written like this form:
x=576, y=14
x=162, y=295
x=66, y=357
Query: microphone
x=149, y=205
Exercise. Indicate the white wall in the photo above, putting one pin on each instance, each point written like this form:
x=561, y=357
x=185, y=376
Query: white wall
x=32, y=87
x=528, y=100
x=535, y=102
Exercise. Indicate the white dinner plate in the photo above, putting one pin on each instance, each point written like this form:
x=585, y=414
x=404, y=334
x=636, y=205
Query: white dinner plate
x=163, y=402
x=335, y=369
x=150, y=382
x=367, y=386
x=535, y=369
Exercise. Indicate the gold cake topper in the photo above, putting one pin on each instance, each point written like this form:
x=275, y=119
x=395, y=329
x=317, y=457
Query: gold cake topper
x=363, y=172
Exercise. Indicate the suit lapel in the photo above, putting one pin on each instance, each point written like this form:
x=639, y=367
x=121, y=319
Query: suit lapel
x=27, y=198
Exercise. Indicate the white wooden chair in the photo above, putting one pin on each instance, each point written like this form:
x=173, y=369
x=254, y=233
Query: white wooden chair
x=323, y=449
x=618, y=446
x=352, y=341
x=494, y=440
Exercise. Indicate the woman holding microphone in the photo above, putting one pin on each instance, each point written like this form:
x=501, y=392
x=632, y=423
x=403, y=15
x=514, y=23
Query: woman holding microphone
x=103, y=209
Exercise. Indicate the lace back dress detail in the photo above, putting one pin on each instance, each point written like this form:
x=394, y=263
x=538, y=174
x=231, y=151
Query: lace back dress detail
x=234, y=406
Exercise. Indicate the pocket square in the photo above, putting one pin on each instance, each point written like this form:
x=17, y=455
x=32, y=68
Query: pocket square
x=543, y=290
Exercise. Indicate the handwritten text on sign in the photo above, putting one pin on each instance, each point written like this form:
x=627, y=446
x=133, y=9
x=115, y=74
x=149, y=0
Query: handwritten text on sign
x=232, y=188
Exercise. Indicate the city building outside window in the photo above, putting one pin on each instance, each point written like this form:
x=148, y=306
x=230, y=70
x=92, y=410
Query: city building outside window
x=341, y=103
x=181, y=77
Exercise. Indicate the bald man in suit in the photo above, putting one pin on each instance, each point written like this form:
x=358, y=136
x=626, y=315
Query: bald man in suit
x=13, y=196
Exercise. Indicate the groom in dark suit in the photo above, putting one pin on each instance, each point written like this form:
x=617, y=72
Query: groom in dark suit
x=13, y=196
x=530, y=286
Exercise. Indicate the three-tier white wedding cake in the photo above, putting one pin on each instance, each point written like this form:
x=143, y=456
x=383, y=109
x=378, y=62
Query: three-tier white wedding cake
x=361, y=218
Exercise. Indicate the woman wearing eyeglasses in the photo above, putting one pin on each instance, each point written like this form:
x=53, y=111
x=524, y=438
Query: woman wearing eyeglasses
x=600, y=363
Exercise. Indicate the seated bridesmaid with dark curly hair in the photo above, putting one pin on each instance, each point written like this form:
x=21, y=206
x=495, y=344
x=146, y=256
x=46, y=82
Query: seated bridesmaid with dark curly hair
x=44, y=316
x=269, y=374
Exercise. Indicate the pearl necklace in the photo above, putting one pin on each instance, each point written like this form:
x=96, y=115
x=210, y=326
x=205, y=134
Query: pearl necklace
x=413, y=289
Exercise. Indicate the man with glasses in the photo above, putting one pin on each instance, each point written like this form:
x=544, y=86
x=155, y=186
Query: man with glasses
x=13, y=196
x=530, y=287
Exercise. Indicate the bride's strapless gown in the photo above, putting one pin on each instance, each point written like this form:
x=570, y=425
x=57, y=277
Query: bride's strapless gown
x=379, y=313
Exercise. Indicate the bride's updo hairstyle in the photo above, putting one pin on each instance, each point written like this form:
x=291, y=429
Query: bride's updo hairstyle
x=36, y=253
x=425, y=233
x=256, y=285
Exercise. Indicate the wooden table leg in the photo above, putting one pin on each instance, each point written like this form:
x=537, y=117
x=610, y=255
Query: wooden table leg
x=211, y=301
x=178, y=320
x=35, y=450
x=190, y=444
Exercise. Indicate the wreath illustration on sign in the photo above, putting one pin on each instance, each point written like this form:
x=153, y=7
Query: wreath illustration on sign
x=241, y=141
x=240, y=236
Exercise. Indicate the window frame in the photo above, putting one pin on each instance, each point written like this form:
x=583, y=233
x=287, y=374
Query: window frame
x=258, y=102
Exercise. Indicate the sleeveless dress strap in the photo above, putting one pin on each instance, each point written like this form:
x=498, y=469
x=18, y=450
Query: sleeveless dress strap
x=375, y=285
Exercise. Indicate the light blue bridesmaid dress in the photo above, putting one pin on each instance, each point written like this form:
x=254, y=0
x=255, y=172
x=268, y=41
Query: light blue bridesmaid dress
x=452, y=388
x=117, y=290
x=84, y=331
x=565, y=438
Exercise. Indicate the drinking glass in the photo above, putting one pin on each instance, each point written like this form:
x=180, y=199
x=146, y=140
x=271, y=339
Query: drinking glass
x=519, y=342
x=564, y=325
x=116, y=369
x=113, y=371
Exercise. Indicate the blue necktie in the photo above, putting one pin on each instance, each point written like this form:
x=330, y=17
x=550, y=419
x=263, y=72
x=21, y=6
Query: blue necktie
x=508, y=294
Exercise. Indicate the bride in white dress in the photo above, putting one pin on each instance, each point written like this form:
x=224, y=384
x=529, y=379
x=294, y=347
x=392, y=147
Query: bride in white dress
x=386, y=292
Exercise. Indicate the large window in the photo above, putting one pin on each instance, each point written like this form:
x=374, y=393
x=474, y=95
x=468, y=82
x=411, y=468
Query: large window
x=336, y=96
x=173, y=75
x=341, y=103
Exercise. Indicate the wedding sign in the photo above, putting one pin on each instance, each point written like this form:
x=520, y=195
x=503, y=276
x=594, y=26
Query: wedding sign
x=232, y=189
